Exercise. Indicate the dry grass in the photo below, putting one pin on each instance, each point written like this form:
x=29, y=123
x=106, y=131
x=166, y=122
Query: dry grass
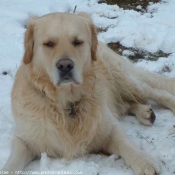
x=137, y=53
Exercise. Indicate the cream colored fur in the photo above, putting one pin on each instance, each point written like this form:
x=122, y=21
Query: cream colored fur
x=108, y=87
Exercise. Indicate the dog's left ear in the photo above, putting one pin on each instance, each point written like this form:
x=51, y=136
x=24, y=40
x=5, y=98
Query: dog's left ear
x=94, y=42
x=94, y=39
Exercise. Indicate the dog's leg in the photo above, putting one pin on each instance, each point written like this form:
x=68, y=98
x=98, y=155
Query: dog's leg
x=156, y=81
x=162, y=97
x=141, y=163
x=136, y=83
x=20, y=156
x=143, y=113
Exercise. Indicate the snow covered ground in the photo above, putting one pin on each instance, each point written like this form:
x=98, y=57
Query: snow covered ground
x=151, y=31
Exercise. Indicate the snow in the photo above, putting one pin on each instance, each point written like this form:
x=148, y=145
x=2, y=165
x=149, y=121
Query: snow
x=151, y=31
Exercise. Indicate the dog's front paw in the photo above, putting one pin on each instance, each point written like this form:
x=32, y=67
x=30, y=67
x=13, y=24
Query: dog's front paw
x=146, y=115
x=145, y=165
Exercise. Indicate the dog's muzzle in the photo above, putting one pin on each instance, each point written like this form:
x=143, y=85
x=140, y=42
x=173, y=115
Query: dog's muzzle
x=65, y=68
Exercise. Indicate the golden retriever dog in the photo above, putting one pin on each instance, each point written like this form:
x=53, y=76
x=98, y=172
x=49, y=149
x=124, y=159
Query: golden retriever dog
x=70, y=91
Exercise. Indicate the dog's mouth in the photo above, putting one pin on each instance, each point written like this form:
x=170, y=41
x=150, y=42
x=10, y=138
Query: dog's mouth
x=67, y=79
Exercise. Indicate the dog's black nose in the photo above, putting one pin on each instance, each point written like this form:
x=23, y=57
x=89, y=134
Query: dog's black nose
x=65, y=65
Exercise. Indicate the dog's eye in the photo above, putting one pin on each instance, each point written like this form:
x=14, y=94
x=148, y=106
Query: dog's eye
x=77, y=42
x=49, y=44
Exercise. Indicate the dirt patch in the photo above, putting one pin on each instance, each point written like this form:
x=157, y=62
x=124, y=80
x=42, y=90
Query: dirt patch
x=4, y=73
x=138, y=5
x=136, y=54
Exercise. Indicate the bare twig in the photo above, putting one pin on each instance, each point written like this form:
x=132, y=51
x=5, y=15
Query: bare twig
x=75, y=9
x=142, y=137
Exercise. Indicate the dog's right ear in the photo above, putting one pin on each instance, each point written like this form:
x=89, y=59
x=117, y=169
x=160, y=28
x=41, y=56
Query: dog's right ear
x=29, y=41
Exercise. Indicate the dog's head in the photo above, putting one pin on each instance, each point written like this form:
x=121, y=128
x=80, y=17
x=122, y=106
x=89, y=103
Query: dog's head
x=63, y=45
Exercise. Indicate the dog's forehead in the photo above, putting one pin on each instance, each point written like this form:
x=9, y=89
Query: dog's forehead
x=63, y=23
